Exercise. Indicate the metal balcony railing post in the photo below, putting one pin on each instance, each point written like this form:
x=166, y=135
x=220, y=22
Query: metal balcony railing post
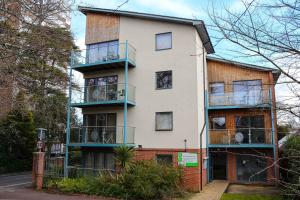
x=229, y=136
x=249, y=135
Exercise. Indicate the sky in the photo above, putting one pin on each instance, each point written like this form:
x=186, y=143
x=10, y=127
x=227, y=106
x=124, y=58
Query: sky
x=195, y=9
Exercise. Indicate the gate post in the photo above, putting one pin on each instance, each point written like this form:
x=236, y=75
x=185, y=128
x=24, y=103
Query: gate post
x=38, y=169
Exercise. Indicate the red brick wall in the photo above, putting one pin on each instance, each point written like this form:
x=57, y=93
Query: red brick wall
x=192, y=175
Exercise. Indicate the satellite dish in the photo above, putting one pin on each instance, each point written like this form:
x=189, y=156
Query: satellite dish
x=239, y=137
x=95, y=135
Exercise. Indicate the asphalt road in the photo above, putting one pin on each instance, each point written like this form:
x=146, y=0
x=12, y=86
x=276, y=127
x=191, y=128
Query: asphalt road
x=15, y=180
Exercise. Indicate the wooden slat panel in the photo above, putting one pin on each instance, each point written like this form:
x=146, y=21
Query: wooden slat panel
x=230, y=115
x=227, y=73
x=101, y=28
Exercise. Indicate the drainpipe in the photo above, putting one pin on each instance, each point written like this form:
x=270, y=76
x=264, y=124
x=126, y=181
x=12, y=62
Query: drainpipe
x=202, y=130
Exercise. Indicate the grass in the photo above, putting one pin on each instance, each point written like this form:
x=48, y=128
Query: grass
x=249, y=197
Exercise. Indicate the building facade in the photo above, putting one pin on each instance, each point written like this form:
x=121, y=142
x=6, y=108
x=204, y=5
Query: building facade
x=146, y=83
x=242, y=135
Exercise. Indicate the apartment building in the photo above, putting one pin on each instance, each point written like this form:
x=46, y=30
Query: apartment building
x=242, y=135
x=147, y=84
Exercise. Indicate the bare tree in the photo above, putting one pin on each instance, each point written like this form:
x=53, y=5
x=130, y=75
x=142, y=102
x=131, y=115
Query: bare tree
x=268, y=32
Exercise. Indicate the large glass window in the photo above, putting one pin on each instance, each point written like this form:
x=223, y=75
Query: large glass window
x=216, y=96
x=164, y=80
x=100, y=128
x=103, y=51
x=164, y=121
x=251, y=168
x=98, y=160
x=163, y=41
x=102, y=88
x=250, y=129
x=247, y=92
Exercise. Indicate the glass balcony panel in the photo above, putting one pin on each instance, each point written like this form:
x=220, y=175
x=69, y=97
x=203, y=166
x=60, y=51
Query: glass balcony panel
x=101, y=135
x=240, y=98
x=102, y=53
x=102, y=93
x=241, y=136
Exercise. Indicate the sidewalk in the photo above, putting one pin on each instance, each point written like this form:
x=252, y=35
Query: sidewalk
x=212, y=191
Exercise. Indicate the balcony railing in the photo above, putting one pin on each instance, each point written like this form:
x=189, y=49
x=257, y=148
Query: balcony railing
x=101, y=135
x=240, y=136
x=105, y=54
x=103, y=93
x=241, y=98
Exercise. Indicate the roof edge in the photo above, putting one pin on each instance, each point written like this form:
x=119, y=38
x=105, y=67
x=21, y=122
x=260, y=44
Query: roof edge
x=198, y=24
x=276, y=72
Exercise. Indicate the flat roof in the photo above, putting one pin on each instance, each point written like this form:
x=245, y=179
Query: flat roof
x=275, y=72
x=198, y=24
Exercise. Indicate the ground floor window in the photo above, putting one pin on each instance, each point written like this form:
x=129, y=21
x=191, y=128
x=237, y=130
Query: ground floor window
x=251, y=168
x=98, y=160
x=164, y=159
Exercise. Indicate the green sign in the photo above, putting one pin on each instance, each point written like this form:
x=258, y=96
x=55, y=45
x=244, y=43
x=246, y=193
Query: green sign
x=188, y=159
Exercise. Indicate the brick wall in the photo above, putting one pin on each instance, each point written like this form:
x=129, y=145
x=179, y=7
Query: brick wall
x=192, y=175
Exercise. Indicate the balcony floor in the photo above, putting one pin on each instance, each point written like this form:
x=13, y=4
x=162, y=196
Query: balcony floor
x=238, y=107
x=96, y=145
x=240, y=145
x=102, y=103
x=98, y=66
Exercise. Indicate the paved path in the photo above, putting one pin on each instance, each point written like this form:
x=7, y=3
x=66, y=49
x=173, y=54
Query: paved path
x=212, y=191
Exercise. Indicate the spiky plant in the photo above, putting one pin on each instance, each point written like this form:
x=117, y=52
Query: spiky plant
x=123, y=157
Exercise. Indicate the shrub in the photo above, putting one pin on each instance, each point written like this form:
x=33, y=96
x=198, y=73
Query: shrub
x=17, y=141
x=143, y=180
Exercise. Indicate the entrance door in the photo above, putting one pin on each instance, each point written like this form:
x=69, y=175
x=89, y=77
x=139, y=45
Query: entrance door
x=219, y=165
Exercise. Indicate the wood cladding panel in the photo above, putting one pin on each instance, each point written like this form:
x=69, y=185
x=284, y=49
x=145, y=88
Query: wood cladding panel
x=227, y=73
x=101, y=28
x=231, y=114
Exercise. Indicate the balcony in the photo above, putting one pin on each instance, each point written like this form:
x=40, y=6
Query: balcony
x=241, y=99
x=106, y=57
x=241, y=137
x=108, y=94
x=109, y=136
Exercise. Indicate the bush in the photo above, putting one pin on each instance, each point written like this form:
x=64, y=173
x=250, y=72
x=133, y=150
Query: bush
x=144, y=180
x=17, y=141
x=291, y=168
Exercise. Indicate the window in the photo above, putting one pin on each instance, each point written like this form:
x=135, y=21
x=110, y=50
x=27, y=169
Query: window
x=216, y=96
x=250, y=129
x=100, y=128
x=247, y=92
x=164, y=159
x=164, y=121
x=251, y=168
x=101, y=89
x=164, y=80
x=217, y=123
x=216, y=88
x=163, y=41
x=103, y=51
